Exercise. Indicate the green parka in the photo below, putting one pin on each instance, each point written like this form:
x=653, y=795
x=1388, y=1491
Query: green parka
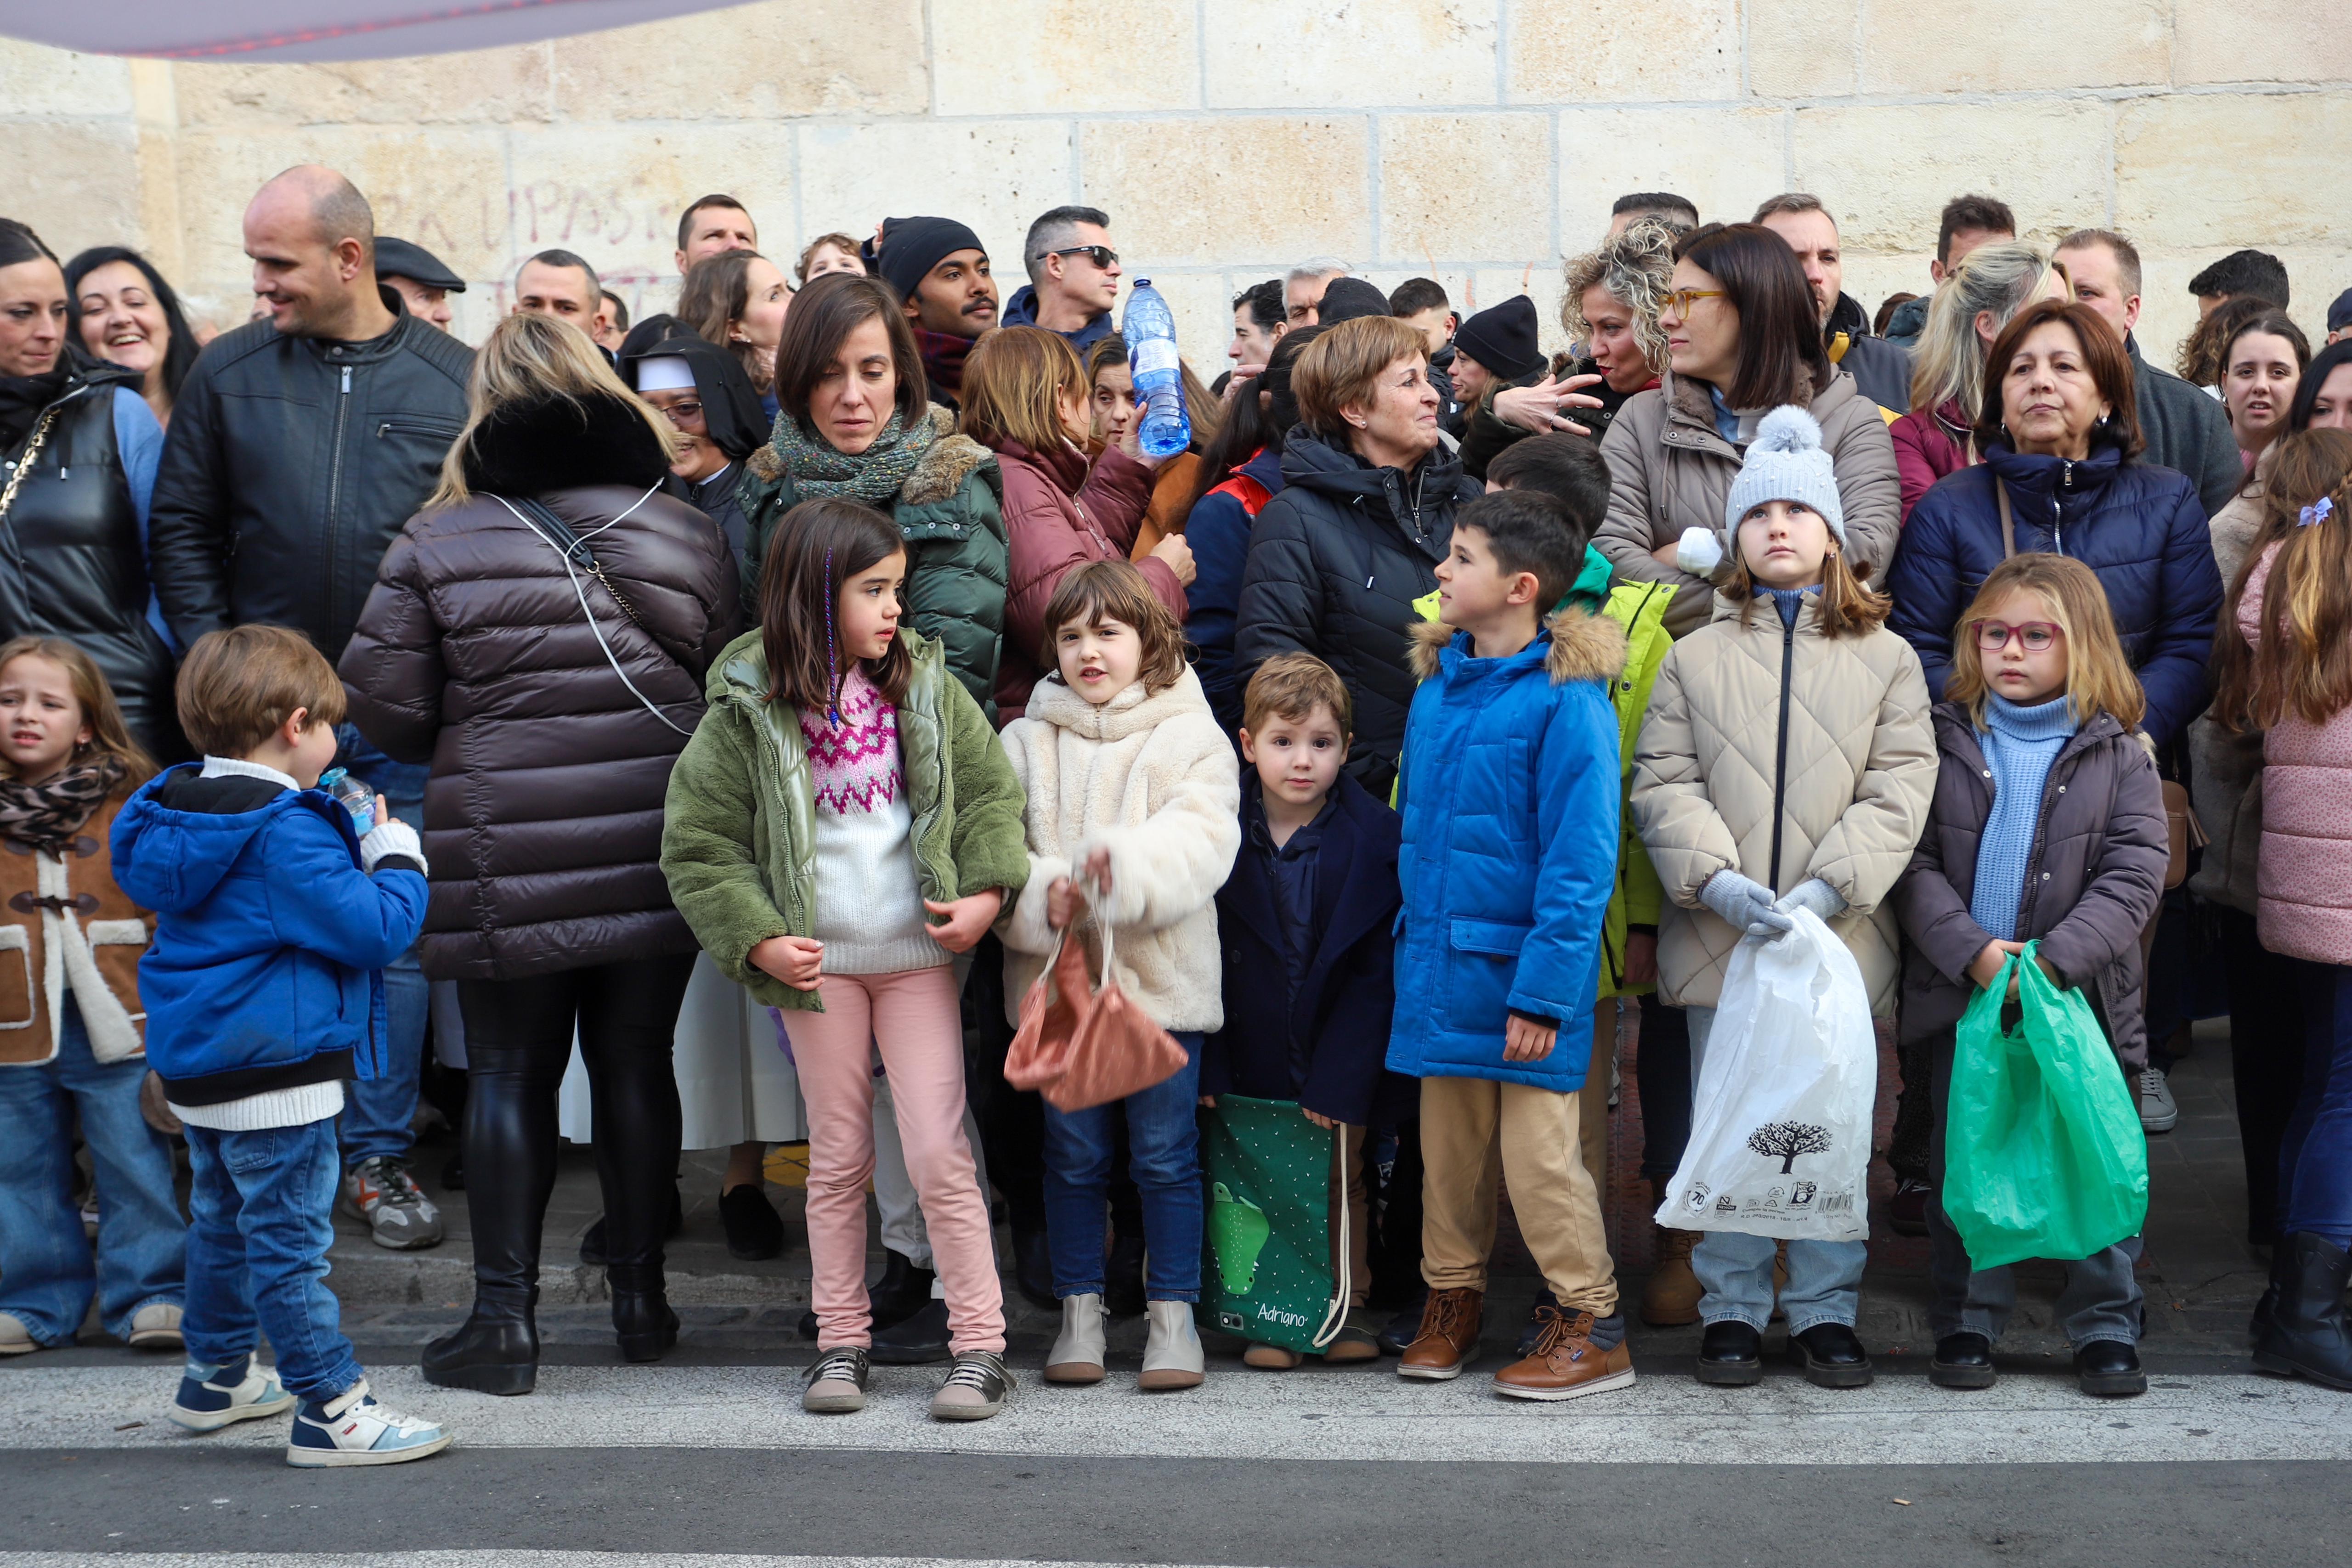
x=739, y=840
x=950, y=511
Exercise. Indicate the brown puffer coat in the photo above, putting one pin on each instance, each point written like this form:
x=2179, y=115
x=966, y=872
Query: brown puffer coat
x=1669, y=470
x=2092, y=881
x=544, y=813
x=1844, y=800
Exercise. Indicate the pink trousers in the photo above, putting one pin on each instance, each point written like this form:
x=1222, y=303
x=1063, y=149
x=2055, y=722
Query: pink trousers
x=913, y=1017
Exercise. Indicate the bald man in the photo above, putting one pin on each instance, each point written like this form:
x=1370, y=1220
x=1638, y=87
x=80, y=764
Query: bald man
x=299, y=444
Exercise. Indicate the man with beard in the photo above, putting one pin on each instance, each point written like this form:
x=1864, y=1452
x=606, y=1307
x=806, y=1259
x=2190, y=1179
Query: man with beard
x=940, y=271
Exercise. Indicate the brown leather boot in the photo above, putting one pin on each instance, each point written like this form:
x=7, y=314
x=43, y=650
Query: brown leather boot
x=1448, y=1337
x=1566, y=1364
x=1671, y=1298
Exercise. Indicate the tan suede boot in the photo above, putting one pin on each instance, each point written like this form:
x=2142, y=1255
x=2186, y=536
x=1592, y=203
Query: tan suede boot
x=1671, y=1298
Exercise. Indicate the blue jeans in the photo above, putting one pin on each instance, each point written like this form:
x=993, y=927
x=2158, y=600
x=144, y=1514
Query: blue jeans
x=377, y=1112
x=48, y=1277
x=262, y=1207
x=1734, y=1268
x=1164, y=1145
x=2315, y=1160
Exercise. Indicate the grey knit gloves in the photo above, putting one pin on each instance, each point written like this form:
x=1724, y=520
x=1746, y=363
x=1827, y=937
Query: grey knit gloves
x=1815, y=894
x=1746, y=904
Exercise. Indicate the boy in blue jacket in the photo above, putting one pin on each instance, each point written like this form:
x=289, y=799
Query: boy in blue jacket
x=1510, y=795
x=1307, y=921
x=264, y=989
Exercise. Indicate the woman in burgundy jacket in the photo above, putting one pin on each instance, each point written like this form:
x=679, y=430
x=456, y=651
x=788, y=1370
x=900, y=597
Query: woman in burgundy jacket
x=1024, y=398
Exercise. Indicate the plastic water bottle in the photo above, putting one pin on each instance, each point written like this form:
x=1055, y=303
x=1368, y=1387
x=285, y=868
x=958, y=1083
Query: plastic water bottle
x=1165, y=429
x=354, y=796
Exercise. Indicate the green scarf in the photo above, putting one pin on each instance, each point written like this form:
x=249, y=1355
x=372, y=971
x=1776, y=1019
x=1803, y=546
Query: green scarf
x=873, y=476
x=1590, y=588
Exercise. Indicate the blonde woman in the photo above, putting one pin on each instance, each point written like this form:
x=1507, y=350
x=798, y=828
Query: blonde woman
x=540, y=634
x=1609, y=307
x=1975, y=301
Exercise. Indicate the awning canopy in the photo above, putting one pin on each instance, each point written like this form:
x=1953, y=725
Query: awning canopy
x=319, y=29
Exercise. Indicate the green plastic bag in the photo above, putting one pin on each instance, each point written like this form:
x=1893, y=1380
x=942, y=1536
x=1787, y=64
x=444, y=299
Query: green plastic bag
x=1265, y=1266
x=2044, y=1155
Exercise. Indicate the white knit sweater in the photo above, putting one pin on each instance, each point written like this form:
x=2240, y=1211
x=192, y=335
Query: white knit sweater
x=870, y=899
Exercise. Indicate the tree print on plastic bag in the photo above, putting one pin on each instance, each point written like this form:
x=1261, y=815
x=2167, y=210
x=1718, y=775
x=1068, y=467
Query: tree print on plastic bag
x=1784, y=1140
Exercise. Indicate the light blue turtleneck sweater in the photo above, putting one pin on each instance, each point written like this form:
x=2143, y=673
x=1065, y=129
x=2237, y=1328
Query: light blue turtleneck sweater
x=2020, y=744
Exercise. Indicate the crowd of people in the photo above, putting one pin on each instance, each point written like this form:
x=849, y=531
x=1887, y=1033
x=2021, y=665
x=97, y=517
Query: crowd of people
x=1445, y=701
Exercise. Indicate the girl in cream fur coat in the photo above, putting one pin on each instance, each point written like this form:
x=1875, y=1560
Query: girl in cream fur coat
x=1133, y=818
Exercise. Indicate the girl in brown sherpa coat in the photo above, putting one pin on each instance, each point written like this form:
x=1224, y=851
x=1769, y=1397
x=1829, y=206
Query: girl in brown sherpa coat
x=72, y=1032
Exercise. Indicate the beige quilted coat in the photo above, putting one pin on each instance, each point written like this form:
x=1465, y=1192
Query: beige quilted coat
x=1670, y=470
x=1861, y=772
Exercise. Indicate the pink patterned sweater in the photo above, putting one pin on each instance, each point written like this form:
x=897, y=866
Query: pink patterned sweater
x=870, y=902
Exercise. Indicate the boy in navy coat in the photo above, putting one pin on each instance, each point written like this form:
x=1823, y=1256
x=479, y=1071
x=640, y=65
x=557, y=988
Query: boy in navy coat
x=1305, y=921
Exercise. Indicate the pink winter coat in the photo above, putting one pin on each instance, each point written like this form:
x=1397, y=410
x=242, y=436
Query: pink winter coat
x=1926, y=447
x=2305, y=877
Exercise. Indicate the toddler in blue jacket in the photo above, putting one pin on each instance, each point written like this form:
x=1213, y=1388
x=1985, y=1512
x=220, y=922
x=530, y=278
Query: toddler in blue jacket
x=264, y=989
x=1509, y=793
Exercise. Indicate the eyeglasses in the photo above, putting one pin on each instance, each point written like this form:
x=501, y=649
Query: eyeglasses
x=1102, y=256
x=1681, y=299
x=2036, y=636
x=684, y=413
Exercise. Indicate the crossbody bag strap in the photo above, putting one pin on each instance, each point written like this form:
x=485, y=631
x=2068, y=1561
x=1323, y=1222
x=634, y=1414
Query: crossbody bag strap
x=561, y=535
x=2008, y=519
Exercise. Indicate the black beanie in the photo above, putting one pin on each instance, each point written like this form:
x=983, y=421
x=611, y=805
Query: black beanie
x=912, y=246
x=1350, y=299
x=1503, y=339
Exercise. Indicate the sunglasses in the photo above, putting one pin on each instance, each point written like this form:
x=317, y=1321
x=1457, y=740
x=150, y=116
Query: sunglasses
x=1102, y=256
x=2035, y=636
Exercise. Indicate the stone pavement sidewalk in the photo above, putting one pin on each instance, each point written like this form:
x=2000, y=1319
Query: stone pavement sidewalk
x=2200, y=1276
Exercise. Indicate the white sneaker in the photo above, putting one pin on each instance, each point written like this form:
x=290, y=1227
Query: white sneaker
x=212, y=1398
x=1173, y=1356
x=2156, y=1111
x=16, y=1339
x=1077, y=1352
x=354, y=1429
x=156, y=1326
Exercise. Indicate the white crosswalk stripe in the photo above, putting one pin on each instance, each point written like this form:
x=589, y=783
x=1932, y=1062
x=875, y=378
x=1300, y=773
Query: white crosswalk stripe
x=1332, y=1414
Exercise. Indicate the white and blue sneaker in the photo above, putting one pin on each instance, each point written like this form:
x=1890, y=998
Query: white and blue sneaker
x=354, y=1429
x=212, y=1398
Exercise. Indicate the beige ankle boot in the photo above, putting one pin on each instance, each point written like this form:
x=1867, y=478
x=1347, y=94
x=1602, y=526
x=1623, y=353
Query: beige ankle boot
x=1077, y=1352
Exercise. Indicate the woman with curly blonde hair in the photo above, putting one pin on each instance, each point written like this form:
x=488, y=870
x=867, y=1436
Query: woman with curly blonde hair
x=1609, y=305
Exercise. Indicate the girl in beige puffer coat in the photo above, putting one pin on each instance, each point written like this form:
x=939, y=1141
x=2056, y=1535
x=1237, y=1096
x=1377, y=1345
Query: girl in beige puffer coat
x=1786, y=762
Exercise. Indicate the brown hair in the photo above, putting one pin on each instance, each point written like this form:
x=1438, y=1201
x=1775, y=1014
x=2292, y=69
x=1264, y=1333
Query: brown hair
x=238, y=686
x=1341, y=369
x=1013, y=386
x=108, y=735
x=2099, y=677
x=1781, y=359
x=819, y=546
x=2199, y=362
x=1846, y=608
x=1113, y=590
x=715, y=294
x=822, y=317
x=1292, y=686
x=808, y=253
x=2302, y=664
x=2103, y=356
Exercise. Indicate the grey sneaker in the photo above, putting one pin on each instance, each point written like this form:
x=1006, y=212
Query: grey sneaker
x=2156, y=1111
x=399, y=1216
x=976, y=1389
x=836, y=1384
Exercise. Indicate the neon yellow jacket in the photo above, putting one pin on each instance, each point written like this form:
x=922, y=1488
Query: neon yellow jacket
x=1640, y=608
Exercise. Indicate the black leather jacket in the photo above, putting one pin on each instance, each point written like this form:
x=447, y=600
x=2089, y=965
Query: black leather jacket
x=290, y=466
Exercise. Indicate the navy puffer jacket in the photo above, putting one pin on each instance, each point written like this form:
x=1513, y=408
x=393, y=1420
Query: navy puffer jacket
x=2140, y=528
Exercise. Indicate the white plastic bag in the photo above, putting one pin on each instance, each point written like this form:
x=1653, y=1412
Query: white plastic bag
x=1780, y=1124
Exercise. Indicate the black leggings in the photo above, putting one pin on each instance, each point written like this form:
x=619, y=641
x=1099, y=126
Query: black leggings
x=518, y=1044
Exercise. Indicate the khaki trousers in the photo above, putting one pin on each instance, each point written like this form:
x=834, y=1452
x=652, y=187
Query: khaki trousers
x=1474, y=1130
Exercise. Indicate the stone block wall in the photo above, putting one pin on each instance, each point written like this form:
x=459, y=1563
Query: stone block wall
x=1475, y=140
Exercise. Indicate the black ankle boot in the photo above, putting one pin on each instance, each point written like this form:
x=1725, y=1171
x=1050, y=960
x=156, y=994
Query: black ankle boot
x=2308, y=1334
x=901, y=1291
x=496, y=1351
x=642, y=1318
x=1123, y=1277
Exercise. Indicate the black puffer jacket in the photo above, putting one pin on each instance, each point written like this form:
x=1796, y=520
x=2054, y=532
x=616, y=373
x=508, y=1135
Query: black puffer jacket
x=290, y=464
x=1334, y=562
x=543, y=814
